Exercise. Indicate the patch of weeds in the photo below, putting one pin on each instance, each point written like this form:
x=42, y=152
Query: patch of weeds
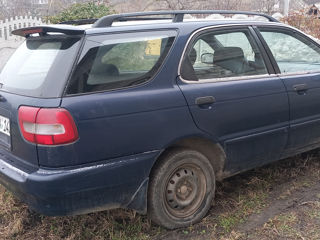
x=313, y=209
x=228, y=222
x=249, y=203
x=185, y=232
x=306, y=184
x=285, y=222
x=233, y=235
x=314, y=214
x=283, y=225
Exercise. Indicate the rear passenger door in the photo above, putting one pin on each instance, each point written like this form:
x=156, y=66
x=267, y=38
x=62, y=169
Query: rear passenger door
x=234, y=96
x=298, y=61
x=120, y=99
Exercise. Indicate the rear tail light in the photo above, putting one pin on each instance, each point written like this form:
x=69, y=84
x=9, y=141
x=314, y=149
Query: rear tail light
x=47, y=126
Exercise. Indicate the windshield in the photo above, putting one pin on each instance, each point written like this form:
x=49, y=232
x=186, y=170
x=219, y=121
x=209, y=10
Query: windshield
x=40, y=67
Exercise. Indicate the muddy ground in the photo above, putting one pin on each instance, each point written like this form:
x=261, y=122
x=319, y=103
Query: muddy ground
x=278, y=201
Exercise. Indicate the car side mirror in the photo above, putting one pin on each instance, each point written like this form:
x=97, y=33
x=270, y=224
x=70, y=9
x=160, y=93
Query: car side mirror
x=207, y=58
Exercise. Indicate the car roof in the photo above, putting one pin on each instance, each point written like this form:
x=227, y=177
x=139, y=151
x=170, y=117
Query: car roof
x=144, y=21
x=189, y=26
x=176, y=19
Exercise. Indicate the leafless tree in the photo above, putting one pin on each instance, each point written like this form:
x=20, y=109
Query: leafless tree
x=143, y=5
x=14, y=8
x=9, y=8
x=134, y=6
x=266, y=6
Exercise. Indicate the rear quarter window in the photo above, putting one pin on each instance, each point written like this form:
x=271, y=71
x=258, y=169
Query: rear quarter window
x=117, y=61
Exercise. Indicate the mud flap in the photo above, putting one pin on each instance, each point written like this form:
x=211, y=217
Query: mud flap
x=139, y=199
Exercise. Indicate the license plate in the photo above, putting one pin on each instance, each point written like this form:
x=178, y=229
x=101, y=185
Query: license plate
x=5, y=125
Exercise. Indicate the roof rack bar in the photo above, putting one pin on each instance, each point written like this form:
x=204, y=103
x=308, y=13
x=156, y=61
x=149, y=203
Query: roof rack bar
x=177, y=16
x=93, y=20
x=143, y=19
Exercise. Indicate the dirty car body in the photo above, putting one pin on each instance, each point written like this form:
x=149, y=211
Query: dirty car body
x=89, y=111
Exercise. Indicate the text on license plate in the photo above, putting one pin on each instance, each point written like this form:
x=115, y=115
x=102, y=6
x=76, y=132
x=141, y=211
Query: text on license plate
x=5, y=125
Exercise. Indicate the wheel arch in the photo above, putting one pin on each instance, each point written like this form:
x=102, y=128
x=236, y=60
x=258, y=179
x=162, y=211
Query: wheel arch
x=212, y=150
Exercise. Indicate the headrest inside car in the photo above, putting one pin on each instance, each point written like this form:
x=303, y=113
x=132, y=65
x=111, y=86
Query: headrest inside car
x=230, y=58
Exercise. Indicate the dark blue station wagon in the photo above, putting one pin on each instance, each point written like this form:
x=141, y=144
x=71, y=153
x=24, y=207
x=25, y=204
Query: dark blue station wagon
x=149, y=116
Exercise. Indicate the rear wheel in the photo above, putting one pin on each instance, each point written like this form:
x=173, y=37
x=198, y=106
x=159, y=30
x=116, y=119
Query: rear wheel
x=181, y=189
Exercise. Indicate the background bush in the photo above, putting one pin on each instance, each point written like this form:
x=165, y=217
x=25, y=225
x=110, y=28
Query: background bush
x=82, y=11
x=309, y=24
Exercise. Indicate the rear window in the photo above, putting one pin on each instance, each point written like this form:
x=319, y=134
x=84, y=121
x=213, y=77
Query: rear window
x=40, y=67
x=120, y=60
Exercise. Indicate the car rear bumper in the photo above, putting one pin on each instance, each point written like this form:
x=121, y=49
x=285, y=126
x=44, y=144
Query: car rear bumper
x=116, y=183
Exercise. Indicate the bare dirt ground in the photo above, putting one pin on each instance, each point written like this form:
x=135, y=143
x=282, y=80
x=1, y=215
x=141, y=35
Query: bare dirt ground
x=278, y=201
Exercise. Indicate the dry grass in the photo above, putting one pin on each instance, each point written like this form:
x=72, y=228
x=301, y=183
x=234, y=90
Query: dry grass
x=301, y=223
x=18, y=222
x=307, y=23
x=238, y=200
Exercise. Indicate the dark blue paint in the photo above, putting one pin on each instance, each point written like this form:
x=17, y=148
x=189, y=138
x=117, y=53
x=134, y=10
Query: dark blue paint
x=123, y=132
x=304, y=110
x=246, y=117
x=83, y=189
x=25, y=151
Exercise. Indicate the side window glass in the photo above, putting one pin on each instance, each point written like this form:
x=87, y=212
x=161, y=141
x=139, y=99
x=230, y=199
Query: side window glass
x=222, y=54
x=119, y=60
x=237, y=39
x=292, y=52
x=200, y=48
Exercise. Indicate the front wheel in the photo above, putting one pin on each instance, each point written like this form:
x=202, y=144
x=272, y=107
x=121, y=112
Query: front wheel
x=181, y=189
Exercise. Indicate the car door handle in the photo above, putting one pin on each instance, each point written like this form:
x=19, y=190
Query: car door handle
x=300, y=88
x=205, y=100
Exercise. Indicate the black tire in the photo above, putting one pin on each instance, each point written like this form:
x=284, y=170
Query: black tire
x=181, y=189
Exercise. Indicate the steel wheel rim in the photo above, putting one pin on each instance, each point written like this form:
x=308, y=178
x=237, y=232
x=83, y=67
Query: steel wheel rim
x=185, y=190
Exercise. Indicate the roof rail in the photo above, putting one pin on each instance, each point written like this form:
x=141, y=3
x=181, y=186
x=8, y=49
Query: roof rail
x=177, y=16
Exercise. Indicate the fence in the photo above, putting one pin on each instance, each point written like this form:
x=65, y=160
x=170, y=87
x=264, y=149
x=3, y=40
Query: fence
x=8, y=41
x=8, y=25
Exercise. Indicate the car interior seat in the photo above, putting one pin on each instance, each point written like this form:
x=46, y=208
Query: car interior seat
x=232, y=59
